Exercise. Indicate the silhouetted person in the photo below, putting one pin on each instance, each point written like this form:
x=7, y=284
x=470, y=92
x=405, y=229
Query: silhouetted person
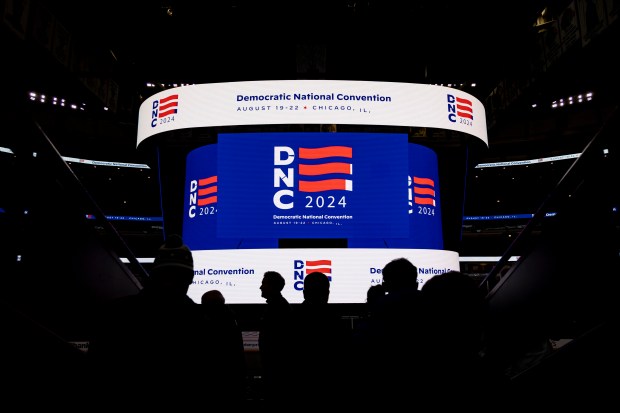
x=366, y=328
x=367, y=338
x=153, y=346
x=374, y=297
x=228, y=364
x=276, y=339
x=398, y=318
x=323, y=345
x=455, y=313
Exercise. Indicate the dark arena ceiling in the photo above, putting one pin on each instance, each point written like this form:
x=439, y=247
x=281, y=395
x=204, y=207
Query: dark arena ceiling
x=438, y=42
x=506, y=49
x=409, y=41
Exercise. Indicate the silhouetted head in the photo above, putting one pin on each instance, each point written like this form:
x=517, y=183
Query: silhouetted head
x=173, y=267
x=454, y=293
x=375, y=293
x=316, y=287
x=213, y=297
x=399, y=274
x=272, y=284
x=456, y=308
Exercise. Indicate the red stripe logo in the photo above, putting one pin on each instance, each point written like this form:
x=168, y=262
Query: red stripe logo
x=464, y=108
x=324, y=266
x=326, y=168
x=207, y=191
x=424, y=191
x=168, y=106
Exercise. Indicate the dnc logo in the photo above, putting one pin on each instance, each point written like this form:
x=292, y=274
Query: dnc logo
x=421, y=191
x=163, y=109
x=459, y=107
x=203, y=193
x=320, y=169
x=302, y=268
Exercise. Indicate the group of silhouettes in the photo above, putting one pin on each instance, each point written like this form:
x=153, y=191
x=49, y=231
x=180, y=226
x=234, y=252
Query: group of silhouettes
x=161, y=346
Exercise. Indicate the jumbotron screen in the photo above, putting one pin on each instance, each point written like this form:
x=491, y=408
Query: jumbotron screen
x=248, y=194
x=344, y=203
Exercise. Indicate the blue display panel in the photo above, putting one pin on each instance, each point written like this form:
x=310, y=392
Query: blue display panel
x=201, y=207
x=424, y=206
x=312, y=185
x=251, y=189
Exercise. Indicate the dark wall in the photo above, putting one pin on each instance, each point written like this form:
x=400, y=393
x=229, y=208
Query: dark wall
x=566, y=281
x=67, y=264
